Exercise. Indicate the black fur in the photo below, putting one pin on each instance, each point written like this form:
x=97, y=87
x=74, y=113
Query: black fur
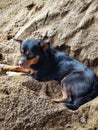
x=80, y=82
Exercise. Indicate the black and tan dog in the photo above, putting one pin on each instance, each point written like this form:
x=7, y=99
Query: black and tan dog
x=44, y=63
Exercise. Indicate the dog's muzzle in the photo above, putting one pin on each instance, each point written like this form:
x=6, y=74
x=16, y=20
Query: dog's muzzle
x=21, y=61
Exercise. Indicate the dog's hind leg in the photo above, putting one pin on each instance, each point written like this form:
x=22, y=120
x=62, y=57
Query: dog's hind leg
x=81, y=100
x=66, y=96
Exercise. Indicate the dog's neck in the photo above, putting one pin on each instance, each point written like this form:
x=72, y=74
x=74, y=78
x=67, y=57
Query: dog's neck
x=50, y=66
x=46, y=61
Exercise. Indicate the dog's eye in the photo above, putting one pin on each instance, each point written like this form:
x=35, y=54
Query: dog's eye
x=30, y=55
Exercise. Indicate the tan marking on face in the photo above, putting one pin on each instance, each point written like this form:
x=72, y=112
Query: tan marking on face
x=28, y=52
x=28, y=63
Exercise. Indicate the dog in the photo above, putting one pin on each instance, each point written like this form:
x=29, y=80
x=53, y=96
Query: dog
x=45, y=63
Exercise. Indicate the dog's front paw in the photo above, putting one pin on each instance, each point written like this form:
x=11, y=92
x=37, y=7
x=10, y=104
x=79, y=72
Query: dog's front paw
x=12, y=73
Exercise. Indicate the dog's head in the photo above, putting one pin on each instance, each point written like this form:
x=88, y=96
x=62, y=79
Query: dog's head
x=31, y=51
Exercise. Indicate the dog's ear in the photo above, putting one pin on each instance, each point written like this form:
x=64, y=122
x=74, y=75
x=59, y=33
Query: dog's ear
x=44, y=45
x=18, y=40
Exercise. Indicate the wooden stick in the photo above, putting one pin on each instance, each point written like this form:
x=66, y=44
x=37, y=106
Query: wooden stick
x=17, y=69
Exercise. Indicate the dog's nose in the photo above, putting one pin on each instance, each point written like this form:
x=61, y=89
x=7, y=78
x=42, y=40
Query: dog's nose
x=22, y=60
x=20, y=63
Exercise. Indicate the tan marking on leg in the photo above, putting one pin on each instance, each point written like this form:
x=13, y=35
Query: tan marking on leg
x=64, y=97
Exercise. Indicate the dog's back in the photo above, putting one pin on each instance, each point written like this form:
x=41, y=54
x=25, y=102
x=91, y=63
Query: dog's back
x=79, y=83
x=57, y=65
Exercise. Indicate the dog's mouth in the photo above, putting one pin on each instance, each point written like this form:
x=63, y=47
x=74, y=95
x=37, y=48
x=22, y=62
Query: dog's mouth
x=26, y=63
